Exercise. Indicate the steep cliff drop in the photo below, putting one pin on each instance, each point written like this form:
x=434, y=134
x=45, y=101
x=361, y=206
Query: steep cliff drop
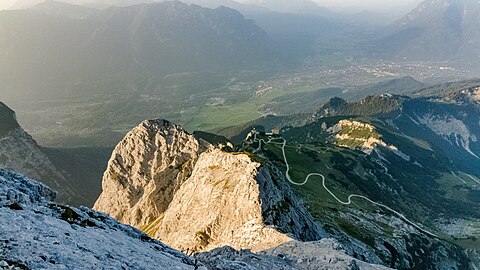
x=21, y=153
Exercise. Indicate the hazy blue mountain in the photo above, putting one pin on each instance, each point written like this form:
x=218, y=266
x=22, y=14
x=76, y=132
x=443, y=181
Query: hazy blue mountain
x=24, y=4
x=287, y=6
x=62, y=9
x=295, y=26
x=436, y=29
x=245, y=8
x=122, y=49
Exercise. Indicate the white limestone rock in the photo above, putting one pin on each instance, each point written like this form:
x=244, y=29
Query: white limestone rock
x=231, y=200
x=146, y=169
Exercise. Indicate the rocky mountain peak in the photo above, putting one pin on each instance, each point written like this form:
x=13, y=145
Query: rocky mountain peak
x=331, y=107
x=337, y=102
x=231, y=200
x=195, y=197
x=145, y=169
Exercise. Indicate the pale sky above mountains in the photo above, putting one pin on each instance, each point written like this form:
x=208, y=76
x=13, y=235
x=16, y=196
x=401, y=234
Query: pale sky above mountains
x=6, y=3
x=354, y=5
x=366, y=4
x=357, y=5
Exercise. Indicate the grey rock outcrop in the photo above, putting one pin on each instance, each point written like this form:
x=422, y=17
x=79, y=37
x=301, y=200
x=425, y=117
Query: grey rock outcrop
x=326, y=254
x=20, y=152
x=36, y=233
x=17, y=189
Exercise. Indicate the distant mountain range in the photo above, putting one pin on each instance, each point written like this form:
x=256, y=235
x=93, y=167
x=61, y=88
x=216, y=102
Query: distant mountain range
x=283, y=6
x=288, y=6
x=436, y=30
x=58, y=49
x=24, y=4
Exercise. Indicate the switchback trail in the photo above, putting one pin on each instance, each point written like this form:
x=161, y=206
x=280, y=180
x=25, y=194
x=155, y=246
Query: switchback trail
x=349, y=199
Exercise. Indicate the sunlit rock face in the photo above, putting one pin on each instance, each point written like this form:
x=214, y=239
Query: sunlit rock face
x=194, y=196
x=146, y=169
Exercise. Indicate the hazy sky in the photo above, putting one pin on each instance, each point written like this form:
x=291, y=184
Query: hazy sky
x=349, y=4
x=367, y=4
x=6, y=3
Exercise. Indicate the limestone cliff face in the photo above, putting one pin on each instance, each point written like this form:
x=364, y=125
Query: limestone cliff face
x=146, y=169
x=230, y=200
x=195, y=197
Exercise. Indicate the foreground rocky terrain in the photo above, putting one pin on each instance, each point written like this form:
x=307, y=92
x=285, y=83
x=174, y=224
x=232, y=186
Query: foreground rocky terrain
x=36, y=233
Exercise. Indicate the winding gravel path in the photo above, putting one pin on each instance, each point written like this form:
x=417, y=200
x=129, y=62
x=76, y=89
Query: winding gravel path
x=349, y=199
